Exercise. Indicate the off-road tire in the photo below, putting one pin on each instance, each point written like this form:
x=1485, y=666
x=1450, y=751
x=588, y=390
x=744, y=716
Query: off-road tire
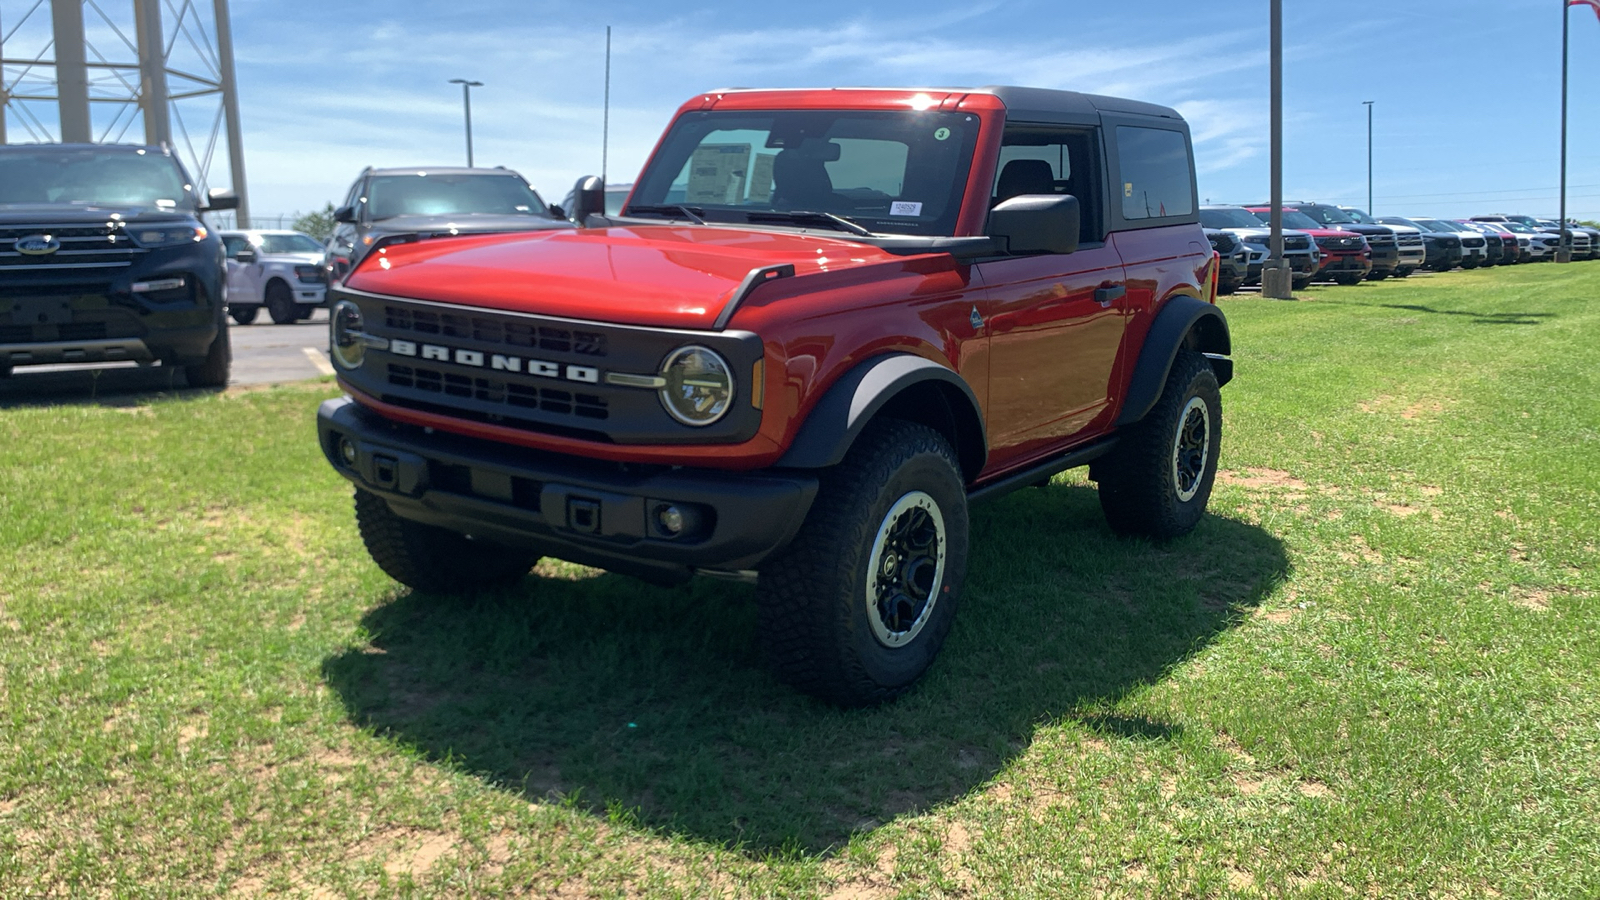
x=213, y=372
x=280, y=304
x=1404, y=272
x=1300, y=284
x=434, y=560
x=1349, y=280
x=1227, y=287
x=1378, y=276
x=1142, y=481
x=244, y=315
x=820, y=623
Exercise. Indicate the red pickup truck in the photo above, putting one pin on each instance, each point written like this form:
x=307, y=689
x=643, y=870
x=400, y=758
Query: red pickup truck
x=823, y=324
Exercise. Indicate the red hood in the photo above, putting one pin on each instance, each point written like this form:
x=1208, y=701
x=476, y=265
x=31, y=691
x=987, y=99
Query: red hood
x=654, y=275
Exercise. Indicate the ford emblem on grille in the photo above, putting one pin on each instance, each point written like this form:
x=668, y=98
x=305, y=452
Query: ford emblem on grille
x=37, y=245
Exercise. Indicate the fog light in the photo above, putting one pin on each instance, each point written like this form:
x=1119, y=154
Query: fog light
x=347, y=451
x=671, y=519
x=164, y=284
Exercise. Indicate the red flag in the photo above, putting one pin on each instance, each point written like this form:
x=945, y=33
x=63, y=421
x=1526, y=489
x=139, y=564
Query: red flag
x=1592, y=4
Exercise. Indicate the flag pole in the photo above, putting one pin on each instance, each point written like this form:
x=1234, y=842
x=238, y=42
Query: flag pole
x=1564, y=249
x=605, y=126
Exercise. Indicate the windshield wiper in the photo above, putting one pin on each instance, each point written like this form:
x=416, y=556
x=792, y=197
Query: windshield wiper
x=669, y=209
x=809, y=216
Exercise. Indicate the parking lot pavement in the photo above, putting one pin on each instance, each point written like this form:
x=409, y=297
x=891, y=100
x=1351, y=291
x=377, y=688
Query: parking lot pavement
x=262, y=354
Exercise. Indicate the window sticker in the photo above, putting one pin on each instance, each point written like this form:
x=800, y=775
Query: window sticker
x=940, y=134
x=1127, y=189
x=716, y=173
x=761, y=178
x=905, y=208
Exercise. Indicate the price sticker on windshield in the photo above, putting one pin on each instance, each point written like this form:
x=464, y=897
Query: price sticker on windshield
x=905, y=208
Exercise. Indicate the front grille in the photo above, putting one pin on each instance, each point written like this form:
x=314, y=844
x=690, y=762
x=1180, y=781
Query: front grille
x=82, y=247
x=495, y=331
x=1339, y=243
x=1472, y=242
x=1410, y=240
x=1380, y=240
x=494, y=390
x=1296, y=242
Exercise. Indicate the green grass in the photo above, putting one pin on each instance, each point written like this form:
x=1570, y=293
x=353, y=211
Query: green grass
x=1373, y=670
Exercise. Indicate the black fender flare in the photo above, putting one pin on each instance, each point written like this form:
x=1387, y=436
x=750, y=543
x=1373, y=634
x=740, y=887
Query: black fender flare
x=1183, y=321
x=928, y=392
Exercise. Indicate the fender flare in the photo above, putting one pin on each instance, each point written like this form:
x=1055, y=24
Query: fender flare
x=861, y=393
x=1184, y=321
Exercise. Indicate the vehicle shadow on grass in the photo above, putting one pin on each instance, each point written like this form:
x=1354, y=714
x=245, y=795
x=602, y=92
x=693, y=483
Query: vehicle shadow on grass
x=119, y=386
x=1477, y=318
x=614, y=693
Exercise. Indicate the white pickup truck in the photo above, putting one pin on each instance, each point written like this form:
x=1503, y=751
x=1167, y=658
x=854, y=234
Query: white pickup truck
x=281, y=270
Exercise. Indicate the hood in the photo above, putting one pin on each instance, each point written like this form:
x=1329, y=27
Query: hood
x=1261, y=235
x=75, y=214
x=654, y=275
x=297, y=258
x=1359, y=228
x=466, y=223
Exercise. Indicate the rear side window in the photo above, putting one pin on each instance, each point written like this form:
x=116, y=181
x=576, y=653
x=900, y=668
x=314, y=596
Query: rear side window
x=1157, y=181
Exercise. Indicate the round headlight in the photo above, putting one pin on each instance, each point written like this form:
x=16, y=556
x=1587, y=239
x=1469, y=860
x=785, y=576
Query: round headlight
x=345, y=334
x=699, y=386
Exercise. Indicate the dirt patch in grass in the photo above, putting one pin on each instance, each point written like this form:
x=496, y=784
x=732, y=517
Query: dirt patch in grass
x=1264, y=480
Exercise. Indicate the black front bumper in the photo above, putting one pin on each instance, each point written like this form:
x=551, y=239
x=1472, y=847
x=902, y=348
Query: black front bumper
x=581, y=510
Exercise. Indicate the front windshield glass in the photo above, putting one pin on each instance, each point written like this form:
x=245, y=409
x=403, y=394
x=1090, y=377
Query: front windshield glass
x=1292, y=218
x=442, y=194
x=1516, y=227
x=1360, y=217
x=289, y=243
x=1397, y=220
x=900, y=172
x=92, y=176
x=1434, y=225
x=1231, y=217
x=1327, y=215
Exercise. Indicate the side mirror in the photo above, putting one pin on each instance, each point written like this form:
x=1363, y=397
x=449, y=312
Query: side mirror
x=346, y=214
x=557, y=211
x=1037, y=223
x=220, y=198
x=246, y=255
x=588, y=198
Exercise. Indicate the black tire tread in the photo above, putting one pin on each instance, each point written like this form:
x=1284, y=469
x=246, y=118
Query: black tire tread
x=1134, y=479
x=434, y=560
x=280, y=303
x=213, y=372
x=803, y=613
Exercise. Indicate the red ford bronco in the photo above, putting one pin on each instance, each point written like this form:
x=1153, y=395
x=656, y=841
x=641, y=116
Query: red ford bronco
x=823, y=324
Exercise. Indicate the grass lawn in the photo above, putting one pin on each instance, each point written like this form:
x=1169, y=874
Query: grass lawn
x=1373, y=670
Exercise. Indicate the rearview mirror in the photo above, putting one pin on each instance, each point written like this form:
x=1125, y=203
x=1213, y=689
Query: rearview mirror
x=1037, y=223
x=220, y=198
x=588, y=198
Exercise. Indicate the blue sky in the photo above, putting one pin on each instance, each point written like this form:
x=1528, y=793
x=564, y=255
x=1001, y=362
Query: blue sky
x=1466, y=91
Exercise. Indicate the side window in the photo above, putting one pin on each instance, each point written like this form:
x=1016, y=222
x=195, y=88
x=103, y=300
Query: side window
x=1047, y=160
x=231, y=245
x=1157, y=180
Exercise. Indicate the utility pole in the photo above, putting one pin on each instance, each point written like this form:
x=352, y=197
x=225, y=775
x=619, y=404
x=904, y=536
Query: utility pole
x=605, y=121
x=466, y=103
x=1368, y=105
x=1277, y=279
x=1564, y=249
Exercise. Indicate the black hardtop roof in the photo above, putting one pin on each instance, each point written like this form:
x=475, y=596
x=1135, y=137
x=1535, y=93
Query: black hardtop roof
x=1024, y=99
x=442, y=170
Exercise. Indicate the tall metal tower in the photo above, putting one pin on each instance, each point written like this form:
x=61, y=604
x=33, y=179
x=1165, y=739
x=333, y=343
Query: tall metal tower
x=69, y=72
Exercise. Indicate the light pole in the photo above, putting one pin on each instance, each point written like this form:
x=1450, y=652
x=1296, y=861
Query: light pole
x=466, y=103
x=1368, y=105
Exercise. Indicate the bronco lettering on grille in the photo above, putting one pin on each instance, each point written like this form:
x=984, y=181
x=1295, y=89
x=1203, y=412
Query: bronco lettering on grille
x=500, y=362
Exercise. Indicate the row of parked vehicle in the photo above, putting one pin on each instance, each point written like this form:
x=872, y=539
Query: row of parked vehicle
x=1343, y=244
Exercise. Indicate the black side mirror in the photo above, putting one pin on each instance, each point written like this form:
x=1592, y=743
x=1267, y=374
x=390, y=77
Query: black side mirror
x=220, y=198
x=1037, y=223
x=588, y=198
x=345, y=214
x=557, y=211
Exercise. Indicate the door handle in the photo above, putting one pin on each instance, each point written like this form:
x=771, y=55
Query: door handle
x=1109, y=293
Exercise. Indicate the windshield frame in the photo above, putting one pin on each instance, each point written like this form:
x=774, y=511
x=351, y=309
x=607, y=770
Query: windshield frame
x=537, y=209
x=1232, y=212
x=1265, y=215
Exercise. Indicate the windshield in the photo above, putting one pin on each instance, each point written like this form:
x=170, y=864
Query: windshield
x=92, y=176
x=1516, y=227
x=289, y=243
x=1398, y=220
x=1292, y=218
x=1228, y=217
x=1360, y=217
x=451, y=194
x=900, y=172
x=1327, y=215
x=1435, y=225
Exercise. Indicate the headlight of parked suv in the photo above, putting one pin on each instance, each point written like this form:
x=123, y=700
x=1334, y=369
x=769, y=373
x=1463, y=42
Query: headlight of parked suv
x=346, y=339
x=699, y=385
x=168, y=235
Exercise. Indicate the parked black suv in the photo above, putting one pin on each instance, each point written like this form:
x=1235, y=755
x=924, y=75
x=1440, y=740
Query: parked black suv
x=1381, y=238
x=433, y=200
x=1443, y=245
x=104, y=257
